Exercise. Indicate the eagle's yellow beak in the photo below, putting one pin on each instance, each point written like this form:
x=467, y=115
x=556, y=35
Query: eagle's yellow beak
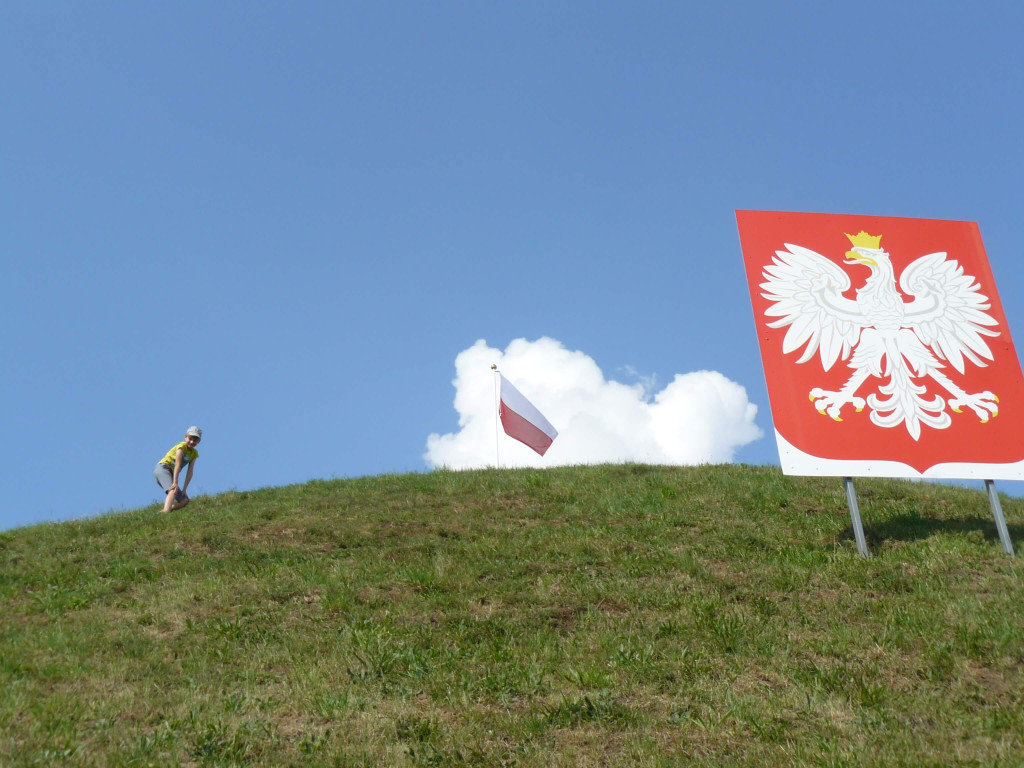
x=852, y=257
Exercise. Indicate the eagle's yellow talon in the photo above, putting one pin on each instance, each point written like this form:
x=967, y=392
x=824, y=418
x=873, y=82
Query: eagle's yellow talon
x=996, y=398
x=957, y=410
x=811, y=398
x=836, y=418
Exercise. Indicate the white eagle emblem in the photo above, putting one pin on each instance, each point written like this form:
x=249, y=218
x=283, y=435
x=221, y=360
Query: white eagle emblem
x=900, y=342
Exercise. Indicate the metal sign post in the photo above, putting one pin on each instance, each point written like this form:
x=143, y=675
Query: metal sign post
x=858, y=529
x=997, y=513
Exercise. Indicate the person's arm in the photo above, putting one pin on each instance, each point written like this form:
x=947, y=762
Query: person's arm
x=188, y=475
x=178, y=458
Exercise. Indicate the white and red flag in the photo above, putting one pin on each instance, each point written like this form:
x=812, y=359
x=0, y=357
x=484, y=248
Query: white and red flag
x=522, y=421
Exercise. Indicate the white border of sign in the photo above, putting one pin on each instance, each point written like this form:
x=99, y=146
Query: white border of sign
x=796, y=462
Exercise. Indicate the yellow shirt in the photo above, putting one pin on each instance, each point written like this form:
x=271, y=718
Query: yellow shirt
x=189, y=455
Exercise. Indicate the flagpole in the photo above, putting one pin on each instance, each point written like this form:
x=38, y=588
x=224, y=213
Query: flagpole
x=497, y=408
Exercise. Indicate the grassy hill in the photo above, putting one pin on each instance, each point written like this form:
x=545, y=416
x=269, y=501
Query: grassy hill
x=584, y=616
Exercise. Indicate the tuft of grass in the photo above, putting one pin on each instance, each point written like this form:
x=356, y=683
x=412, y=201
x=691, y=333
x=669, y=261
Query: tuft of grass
x=577, y=616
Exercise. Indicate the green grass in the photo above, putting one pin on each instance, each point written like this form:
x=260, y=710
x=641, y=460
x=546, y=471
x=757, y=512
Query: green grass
x=583, y=616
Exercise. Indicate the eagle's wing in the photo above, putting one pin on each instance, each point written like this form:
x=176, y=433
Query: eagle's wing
x=947, y=310
x=807, y=294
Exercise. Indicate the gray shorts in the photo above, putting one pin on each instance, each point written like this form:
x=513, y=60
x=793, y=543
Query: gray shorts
x=164, y=474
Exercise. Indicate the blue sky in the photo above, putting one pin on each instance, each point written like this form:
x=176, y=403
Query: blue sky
x=285, y=222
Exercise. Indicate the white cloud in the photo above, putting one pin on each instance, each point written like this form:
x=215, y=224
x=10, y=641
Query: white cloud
x=700, y=417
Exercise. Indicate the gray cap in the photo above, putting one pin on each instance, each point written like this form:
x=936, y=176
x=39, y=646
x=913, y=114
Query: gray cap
x=195, y=432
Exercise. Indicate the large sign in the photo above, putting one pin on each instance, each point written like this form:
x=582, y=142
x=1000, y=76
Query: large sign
x=885, y=347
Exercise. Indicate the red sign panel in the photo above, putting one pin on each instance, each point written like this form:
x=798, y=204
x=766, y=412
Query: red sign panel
x=885, y=346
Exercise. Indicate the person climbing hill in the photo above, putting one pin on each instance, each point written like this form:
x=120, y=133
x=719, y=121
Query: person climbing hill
x=169, y=468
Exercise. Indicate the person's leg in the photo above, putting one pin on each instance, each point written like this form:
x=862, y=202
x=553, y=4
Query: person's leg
x=165, y=479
